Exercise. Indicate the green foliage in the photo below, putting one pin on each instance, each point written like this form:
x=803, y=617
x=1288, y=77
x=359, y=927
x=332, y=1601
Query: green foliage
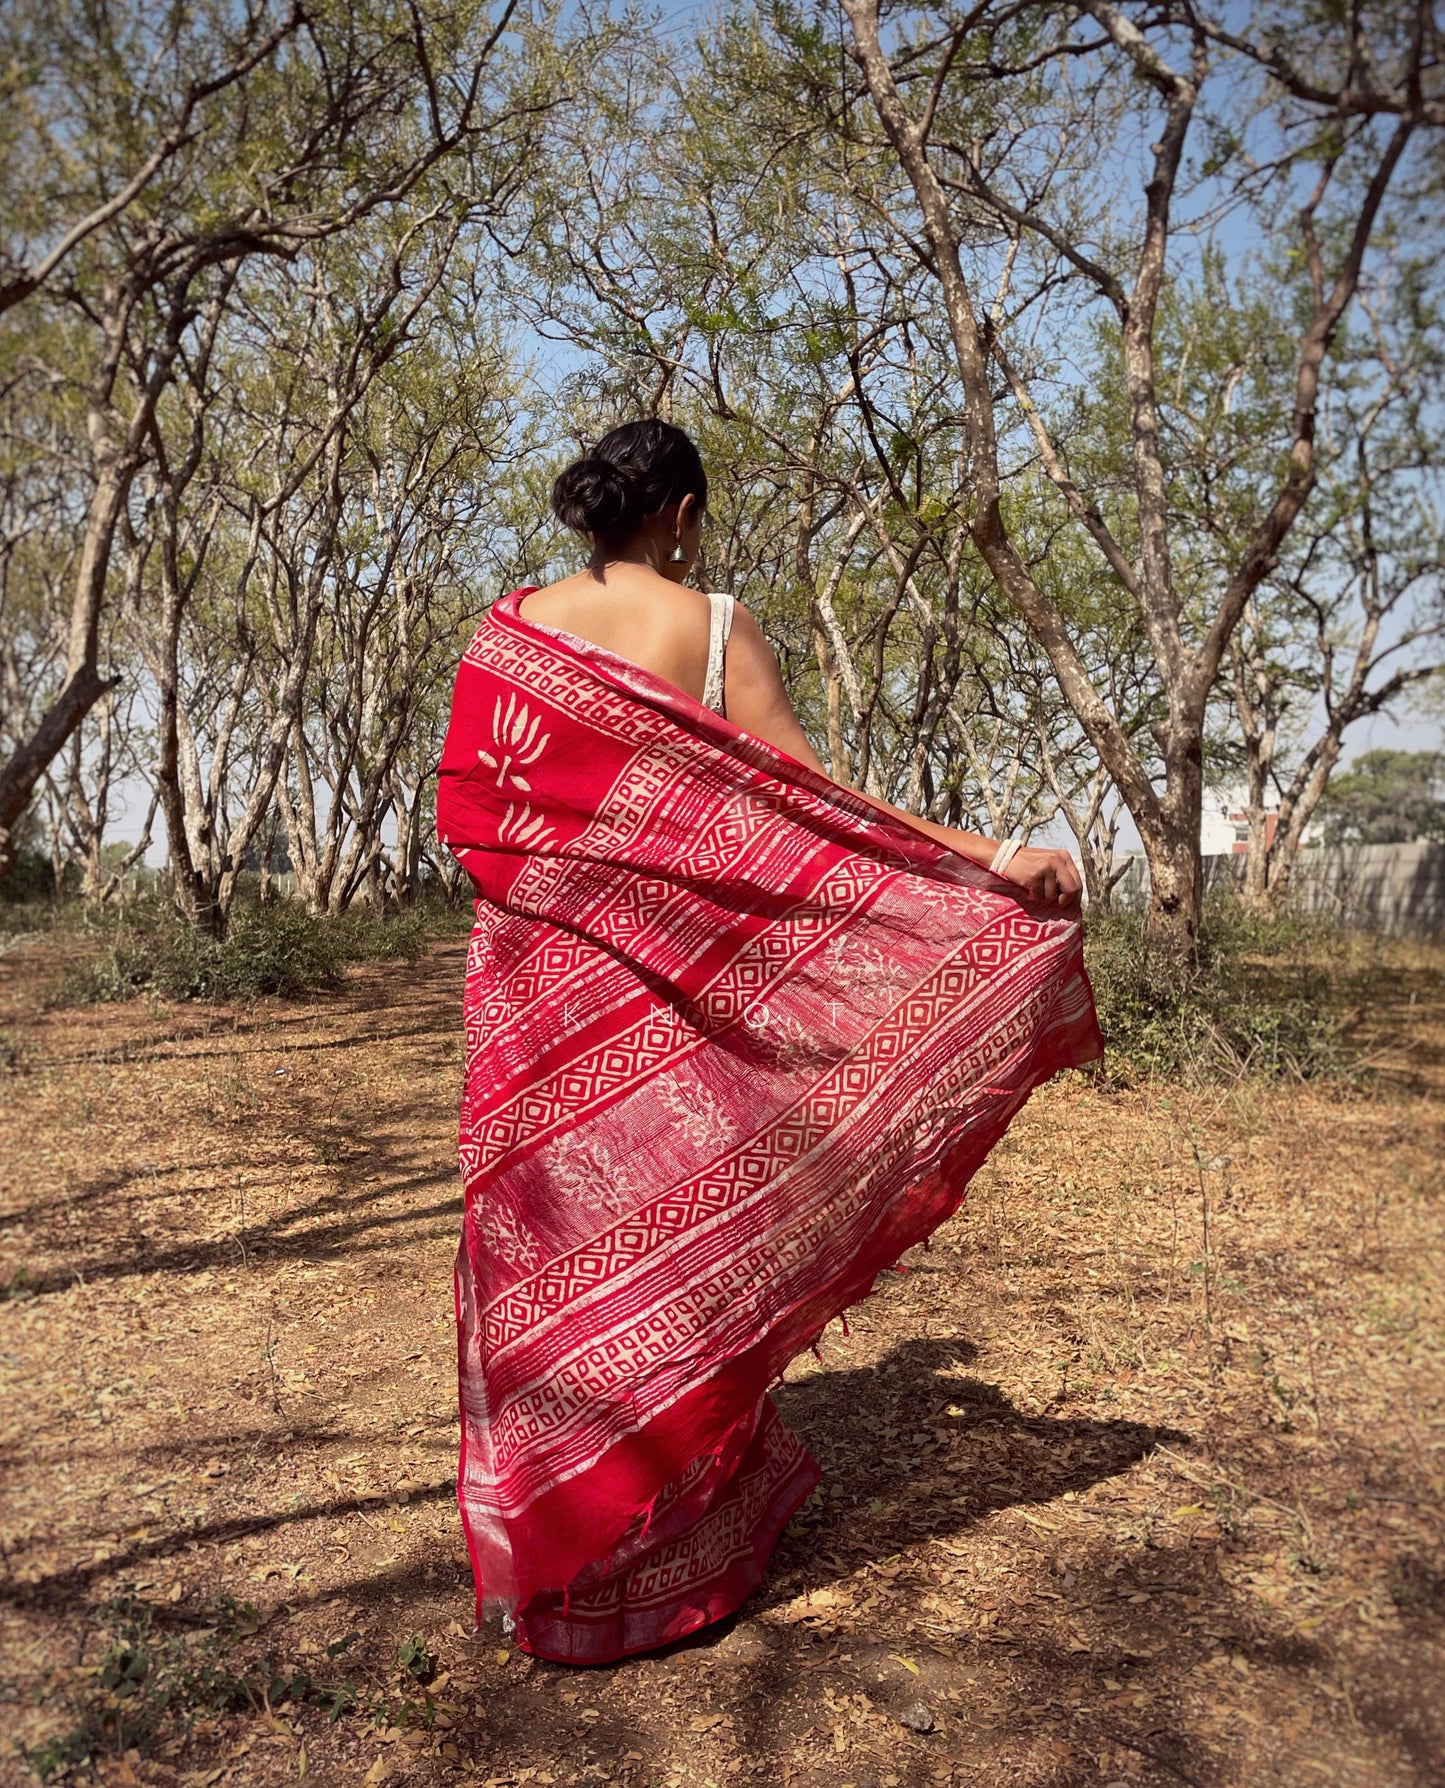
x=417, y=1662
x=272, y=948
x=1386, y=797
x=1258, y=1000
x=719, y=235
x=148, y=1674
x=31, y=880
x=155, y=1676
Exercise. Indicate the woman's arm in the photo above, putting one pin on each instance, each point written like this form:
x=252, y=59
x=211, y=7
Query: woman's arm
x=757, y=701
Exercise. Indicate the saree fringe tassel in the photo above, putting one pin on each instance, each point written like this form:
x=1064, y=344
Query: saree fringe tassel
x=736, y=1040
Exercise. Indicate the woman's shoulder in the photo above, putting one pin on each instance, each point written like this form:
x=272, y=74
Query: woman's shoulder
x=541, y=601
x=583, y=598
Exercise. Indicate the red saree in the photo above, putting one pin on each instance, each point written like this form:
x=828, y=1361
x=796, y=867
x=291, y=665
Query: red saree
x=735, y=1041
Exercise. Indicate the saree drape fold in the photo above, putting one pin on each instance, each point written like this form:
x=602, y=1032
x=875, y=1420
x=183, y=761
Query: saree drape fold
x=735, y=1041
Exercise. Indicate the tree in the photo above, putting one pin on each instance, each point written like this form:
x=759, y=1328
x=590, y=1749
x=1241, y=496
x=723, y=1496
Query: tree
x=426, y=511
x=760, y=310
x=986, y=116
x=257, y=137
x=53, y=208
x=1352, y=623
x=1387, y=797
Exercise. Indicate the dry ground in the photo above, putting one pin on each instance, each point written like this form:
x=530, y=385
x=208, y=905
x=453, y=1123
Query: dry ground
x=1135, y=1477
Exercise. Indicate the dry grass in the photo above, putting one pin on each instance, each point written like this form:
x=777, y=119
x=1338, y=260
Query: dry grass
x=1135, y=1477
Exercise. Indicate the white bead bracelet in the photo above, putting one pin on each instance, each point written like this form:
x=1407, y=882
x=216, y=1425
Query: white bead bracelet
x=1006, y=853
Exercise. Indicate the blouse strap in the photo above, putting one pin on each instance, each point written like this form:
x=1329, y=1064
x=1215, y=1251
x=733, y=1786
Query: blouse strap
x=721, y=605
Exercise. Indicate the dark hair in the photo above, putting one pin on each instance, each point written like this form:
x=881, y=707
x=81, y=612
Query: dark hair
x=631, y=473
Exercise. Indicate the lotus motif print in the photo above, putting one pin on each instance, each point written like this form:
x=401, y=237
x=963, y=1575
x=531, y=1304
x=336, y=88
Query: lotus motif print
x=524, y=828
x=519, y=741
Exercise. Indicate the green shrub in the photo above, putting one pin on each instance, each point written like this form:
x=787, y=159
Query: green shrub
x=146, y=1677
x=1258, y=999
x=368, y=936
x=30, y=882
x=275, y=948
x=159, y=1672
x=30, y=905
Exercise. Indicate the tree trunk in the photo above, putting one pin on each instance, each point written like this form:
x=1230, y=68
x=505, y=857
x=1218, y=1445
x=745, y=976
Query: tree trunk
x=268, y=850
x=1175, y=878
x=838, y=766
x=84, y=685
x=190, y=878
x=1257, y=889
x=1297, y=810
x=1176, y=887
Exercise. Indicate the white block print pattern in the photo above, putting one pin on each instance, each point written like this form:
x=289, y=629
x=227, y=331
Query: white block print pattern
x=519, y=742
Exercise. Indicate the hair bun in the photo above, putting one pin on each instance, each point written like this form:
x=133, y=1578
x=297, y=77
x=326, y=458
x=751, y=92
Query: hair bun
x=594, y=496
x=633, y=472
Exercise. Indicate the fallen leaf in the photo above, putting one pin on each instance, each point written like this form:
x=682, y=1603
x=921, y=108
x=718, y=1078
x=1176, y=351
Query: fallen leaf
x=907, y=1663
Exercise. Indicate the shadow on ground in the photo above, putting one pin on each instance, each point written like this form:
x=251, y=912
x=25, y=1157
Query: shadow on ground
x=886, y=1435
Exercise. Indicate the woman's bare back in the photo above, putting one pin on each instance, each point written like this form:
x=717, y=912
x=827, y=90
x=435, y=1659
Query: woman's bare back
x=640, y=616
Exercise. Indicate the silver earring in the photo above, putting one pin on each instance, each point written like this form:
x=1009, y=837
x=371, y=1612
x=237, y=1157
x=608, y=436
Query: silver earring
x=677, y=556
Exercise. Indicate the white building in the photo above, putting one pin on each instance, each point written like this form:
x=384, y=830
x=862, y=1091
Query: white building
x=1223, y=828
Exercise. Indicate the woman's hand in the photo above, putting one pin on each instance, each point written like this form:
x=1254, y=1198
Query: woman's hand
x=1050, y=877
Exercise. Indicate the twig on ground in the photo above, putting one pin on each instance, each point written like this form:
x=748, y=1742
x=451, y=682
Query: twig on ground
x=1208, y=1289
x=1239, y=1490
x=268, y=1353
x=1314, y=1374
x=1132, y=1744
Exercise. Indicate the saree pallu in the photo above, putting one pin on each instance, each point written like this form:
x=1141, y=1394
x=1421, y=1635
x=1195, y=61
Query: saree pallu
x=735, y=1040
